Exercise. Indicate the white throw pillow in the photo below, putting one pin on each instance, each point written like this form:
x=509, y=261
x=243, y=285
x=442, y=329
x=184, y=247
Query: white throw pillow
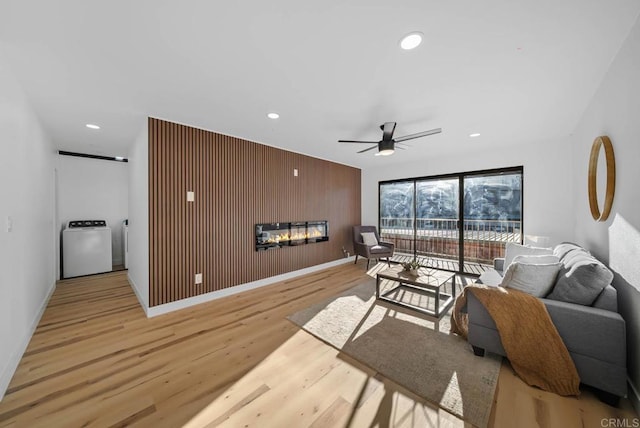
x=537, y=280
x=513, y=250
x=491, y=278
x=537, y=260
x=369, y=239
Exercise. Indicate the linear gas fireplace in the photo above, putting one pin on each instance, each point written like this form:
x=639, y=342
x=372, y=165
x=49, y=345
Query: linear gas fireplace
x=277, y=235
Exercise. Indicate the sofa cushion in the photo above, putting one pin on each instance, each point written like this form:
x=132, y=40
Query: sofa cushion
x=379, y=249
x=513, y=250
x=534, y=279
x=607, y=299
x=537, y=260
x=581, y=279
x=561, y=250
x=369, y=239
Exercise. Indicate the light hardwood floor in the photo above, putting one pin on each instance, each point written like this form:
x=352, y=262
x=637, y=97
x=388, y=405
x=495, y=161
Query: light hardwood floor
x=96, y=360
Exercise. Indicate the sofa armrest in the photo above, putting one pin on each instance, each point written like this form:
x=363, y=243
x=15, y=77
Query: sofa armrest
x=498, y=264
x=590, y=331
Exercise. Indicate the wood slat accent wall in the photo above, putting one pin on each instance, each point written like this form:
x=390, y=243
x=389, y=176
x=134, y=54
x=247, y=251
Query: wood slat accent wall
x=237, y=183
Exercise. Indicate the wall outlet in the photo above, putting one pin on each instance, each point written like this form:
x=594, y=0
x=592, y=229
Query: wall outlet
x=198, y=278
x=191, y=196
x=9, y=224
x=295, y=172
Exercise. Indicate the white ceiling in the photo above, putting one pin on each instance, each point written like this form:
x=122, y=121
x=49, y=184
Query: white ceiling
x=515, y=71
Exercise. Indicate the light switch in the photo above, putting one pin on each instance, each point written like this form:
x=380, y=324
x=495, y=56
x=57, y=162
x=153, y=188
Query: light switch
x=198, y=278
x=295, y=172
x=9, y=224
x=191, y=197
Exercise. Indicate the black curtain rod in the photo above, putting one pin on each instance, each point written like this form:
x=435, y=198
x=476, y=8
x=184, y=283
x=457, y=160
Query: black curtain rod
x=86, y=155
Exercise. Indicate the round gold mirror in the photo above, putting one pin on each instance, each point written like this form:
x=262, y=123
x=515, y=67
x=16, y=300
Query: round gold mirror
x=598, y=143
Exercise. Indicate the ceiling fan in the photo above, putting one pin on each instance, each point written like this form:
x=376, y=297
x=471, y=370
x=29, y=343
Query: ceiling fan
x=387, y=145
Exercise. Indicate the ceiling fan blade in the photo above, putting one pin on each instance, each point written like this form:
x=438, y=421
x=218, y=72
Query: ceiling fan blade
x=387, y=130
x=357, y=141
x=418, y=135
x=370, y=148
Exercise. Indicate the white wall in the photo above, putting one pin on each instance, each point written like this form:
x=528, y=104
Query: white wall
x=547, y=183
x=93, y=189
x=139, y=217
x=615, y=112
x=27, y=253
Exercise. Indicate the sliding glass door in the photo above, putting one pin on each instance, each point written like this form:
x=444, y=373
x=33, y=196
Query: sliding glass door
x=458, y=222
x=397, y=217
x=437, y=221
x=492, y=217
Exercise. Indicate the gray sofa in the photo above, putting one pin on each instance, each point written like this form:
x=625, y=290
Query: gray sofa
x=594, y=335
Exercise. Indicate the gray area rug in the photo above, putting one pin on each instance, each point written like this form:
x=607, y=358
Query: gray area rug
x=403, y=346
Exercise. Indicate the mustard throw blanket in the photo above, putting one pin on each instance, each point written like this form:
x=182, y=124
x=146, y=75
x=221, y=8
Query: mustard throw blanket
x=531, y=341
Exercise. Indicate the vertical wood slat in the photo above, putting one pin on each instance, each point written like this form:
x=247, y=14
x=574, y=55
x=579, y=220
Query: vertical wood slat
x=237, y=184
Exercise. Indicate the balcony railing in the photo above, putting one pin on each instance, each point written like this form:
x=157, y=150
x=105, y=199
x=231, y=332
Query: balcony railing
x=484, y=240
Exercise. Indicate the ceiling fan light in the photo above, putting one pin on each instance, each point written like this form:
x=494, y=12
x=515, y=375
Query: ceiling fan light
x=385, y=152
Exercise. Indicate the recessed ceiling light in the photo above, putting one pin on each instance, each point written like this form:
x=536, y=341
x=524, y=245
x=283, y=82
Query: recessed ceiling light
x=474, y=135
x=92, y=126
x=411, y=40
x=273, y=115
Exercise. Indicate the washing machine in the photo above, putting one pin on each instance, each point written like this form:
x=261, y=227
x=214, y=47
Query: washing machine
x=86, y=248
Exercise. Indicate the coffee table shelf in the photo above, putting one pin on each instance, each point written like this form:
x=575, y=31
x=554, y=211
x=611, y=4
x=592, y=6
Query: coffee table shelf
x=429, y=281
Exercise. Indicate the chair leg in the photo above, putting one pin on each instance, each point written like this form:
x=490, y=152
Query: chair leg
x=367, y=264
x=389, y=261
x=356, y=260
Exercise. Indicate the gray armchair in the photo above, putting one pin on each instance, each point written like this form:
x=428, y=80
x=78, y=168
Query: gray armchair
x=382, y=250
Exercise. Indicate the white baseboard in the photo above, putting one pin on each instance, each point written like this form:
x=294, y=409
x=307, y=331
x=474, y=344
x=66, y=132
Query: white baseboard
x=16, y=356
x=196, y=300
x=634, y=396
x=140, y=299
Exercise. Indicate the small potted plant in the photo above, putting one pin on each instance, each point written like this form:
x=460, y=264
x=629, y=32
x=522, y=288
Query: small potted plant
x=411, y=267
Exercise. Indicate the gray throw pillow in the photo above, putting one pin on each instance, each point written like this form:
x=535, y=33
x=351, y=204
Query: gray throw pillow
x=581, y=279
x=536, y=280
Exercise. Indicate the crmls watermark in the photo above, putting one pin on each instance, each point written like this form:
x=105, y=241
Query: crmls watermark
x=620, y=423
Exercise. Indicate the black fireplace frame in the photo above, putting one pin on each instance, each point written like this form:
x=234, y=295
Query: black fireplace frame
x=264, y=231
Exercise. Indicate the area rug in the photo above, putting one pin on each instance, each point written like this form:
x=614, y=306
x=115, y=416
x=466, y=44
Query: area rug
x=403, y=346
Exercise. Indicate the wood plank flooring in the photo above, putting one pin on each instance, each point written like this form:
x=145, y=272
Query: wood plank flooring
x=96, y=360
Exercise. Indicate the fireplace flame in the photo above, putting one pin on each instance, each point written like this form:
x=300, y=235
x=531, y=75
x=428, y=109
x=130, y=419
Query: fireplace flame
x=294, y=236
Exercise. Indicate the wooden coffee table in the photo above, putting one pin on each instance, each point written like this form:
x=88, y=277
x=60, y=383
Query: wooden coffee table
x=429, y=282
